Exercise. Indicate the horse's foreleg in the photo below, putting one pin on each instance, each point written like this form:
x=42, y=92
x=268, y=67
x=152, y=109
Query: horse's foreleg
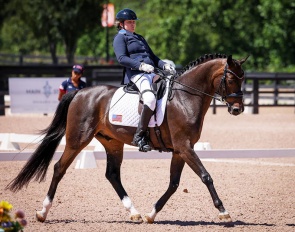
x=176, y=167
x=195, y=163
x=114, y=160
x=59, y=170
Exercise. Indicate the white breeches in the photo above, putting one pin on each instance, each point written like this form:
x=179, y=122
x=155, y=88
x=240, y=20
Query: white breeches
x=143, y=82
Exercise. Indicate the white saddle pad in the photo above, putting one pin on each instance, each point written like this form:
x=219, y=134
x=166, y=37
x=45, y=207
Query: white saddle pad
x=124, y=109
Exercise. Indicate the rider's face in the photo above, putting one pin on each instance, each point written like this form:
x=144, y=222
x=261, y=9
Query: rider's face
x=130, y=25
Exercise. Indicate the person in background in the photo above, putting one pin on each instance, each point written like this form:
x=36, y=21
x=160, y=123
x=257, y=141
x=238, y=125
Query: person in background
x=72, y=83
x=133, y=52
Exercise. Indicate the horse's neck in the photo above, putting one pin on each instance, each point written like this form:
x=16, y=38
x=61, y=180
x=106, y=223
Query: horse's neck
x=202, y=81
x=201, y=77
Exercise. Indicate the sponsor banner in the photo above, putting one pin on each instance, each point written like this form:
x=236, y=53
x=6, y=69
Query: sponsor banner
x=34, y=95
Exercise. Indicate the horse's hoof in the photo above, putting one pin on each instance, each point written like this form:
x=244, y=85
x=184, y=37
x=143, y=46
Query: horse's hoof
x=136, y=218
x=225, y=217
x=148, y=219
x=40, y=217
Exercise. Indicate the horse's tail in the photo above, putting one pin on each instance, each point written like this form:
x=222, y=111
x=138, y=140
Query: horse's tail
x=37, y=165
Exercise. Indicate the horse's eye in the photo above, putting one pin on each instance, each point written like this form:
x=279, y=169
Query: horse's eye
x=230, y=81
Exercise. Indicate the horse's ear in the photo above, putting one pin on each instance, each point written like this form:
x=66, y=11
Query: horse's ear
x=243, y=60
x=229, y=60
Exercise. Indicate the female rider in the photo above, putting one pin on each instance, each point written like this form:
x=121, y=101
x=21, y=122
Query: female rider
x=133, y=52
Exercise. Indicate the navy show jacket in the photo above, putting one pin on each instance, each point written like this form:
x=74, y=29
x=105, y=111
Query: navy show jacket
x=131, y=50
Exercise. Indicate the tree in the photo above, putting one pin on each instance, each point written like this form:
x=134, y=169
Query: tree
x=57, y=21
x=278, y=32
x=182, y=30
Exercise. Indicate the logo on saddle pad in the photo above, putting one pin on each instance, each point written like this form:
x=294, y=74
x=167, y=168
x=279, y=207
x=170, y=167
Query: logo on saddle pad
x=124, y=109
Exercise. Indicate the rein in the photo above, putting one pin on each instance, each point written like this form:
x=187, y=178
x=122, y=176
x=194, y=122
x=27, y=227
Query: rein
x=222, y=86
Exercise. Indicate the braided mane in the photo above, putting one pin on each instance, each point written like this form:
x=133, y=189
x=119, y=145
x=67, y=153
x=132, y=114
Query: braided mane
x=200, y=60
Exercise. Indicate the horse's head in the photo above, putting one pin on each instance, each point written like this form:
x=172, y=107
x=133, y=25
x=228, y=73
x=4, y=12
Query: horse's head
x=230, y=85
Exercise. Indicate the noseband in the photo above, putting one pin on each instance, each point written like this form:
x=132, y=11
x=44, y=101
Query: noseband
x=222, y=87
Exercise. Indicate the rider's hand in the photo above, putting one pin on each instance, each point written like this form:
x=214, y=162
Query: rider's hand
x=146, y=68
x=169, y=68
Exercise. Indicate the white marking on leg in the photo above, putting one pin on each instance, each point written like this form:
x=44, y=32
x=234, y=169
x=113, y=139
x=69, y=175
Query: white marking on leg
x=153, y=214
x=46, y=206
x=224, y=213
x=129, y=206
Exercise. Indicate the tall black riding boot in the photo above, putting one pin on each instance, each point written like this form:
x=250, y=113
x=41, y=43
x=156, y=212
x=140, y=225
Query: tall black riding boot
x=140, y=138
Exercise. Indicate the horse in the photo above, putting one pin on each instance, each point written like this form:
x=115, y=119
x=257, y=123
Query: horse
x=81, y=116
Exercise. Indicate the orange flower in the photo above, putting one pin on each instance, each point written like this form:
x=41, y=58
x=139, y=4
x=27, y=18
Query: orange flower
x=1, y=213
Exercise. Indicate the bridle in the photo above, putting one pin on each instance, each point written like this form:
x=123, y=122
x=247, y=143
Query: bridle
x=222, y=87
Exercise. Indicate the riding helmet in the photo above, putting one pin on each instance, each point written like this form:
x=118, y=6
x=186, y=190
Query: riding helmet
x=126, y=14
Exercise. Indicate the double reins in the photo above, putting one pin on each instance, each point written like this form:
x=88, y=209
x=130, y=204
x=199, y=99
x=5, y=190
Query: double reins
x=222, y=98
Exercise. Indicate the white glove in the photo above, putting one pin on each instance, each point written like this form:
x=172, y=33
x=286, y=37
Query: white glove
x=146, y=68
x=169, y=68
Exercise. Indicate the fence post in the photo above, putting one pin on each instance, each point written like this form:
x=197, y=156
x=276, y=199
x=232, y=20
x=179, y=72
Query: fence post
x=2, y=102
x=3, y=86
x=276, y=92
x=21, y=59
x=255, y=96
x=214, y=106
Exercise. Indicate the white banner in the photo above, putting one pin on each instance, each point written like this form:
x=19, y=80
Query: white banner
x=34, y=95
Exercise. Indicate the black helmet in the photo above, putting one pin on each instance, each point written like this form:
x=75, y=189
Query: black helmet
x=126, y=14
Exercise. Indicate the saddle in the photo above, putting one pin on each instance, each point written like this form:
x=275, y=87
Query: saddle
x=159, y=89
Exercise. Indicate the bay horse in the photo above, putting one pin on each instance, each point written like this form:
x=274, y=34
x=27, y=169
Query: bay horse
x=81, y=116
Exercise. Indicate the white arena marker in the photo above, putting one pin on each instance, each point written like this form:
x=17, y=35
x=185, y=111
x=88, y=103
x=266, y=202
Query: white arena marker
x=198, y=146
x=85, y=160
x=202, y=146
x=99, y=147
x=7, y=144
x=207, y=146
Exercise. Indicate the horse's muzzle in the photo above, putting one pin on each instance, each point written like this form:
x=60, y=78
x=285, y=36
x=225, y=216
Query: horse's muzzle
x=235, y=109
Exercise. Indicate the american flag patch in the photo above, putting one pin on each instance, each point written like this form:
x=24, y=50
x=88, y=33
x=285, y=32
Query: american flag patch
x=117, y=118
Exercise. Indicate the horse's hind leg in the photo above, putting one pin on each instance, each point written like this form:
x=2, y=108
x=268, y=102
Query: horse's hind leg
x=114, y=151
x=75, y=142
x=176, y=167
x=60, y=168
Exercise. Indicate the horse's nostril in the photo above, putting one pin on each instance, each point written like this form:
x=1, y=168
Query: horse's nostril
x=235, y=111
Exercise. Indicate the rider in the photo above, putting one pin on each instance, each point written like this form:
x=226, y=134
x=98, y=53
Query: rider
x=133, y=52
